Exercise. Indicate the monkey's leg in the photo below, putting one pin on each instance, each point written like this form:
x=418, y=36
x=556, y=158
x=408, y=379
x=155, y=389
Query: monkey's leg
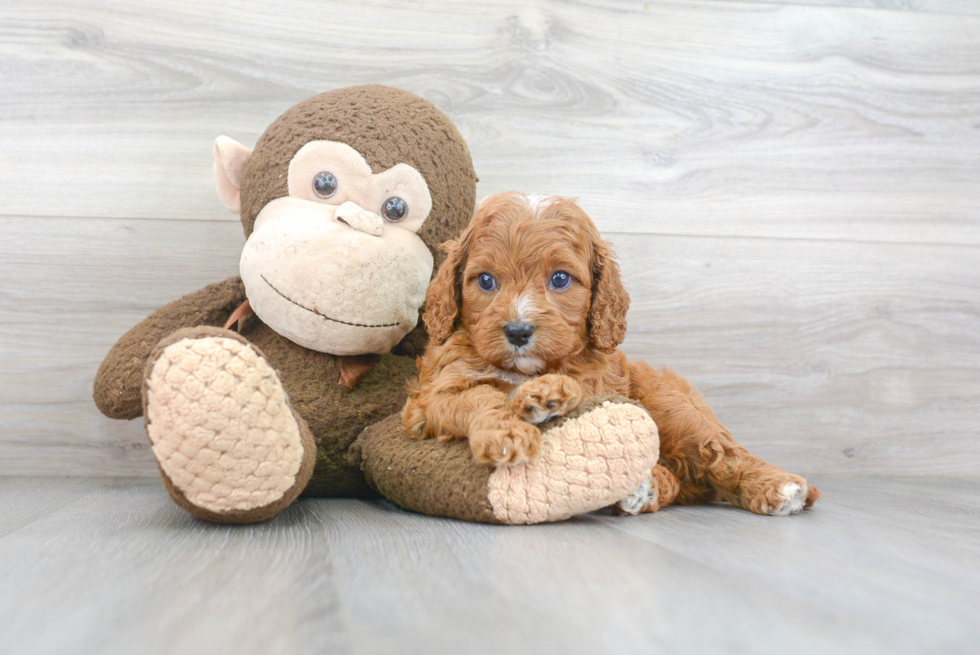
x=707, y=461
x=229, y=447
x=596, y=455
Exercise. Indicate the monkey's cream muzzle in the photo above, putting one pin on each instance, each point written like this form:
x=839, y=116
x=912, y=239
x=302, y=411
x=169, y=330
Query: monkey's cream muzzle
x=334, y=279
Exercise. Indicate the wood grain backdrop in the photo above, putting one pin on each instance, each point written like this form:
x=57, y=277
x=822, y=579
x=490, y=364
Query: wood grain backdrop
x=794, y=190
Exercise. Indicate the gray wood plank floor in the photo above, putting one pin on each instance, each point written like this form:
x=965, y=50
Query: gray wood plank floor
x=112, y=566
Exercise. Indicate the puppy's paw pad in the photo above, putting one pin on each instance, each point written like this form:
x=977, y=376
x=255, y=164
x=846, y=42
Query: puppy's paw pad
x=543, y=398
x=510, y=443
x=792, y=499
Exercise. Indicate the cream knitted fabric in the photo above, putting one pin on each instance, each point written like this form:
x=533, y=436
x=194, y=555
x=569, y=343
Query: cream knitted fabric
x=591, y=461
x=220, y=426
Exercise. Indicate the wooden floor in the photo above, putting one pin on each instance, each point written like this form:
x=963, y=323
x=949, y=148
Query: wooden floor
x=886, y=565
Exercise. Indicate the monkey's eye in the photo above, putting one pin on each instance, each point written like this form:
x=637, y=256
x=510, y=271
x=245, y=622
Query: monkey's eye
x=325, y=184
x=560, y=280
x=486, y=282
x=394, y=209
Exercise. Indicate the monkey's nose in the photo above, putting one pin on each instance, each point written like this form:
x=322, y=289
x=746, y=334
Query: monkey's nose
x=355, y=216
x=518, y=333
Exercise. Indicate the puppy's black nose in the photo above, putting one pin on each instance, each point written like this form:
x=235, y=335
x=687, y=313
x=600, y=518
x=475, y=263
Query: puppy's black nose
x=518, y=333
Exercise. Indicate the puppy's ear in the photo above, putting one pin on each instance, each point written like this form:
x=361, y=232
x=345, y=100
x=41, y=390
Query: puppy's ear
x=442, y=300
x=610, y=302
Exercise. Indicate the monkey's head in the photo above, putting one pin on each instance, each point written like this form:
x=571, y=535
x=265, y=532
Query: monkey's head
x=344, y=201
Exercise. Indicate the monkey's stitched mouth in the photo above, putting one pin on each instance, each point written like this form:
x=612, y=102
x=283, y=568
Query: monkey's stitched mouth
x=321, y=315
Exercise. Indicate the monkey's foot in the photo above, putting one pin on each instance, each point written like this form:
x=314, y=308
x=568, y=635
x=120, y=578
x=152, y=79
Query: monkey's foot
x=595, y=456
x=229, y=447
x=591, y=458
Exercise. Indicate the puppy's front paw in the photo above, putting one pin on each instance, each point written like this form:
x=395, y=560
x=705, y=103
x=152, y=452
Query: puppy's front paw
x=545, y=397
x=502, y=438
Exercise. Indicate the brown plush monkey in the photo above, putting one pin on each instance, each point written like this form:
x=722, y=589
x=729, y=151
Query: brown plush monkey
x=344, y=201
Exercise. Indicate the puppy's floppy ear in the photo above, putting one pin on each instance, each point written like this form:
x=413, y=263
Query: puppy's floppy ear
x=442, y=300
x=610, y=302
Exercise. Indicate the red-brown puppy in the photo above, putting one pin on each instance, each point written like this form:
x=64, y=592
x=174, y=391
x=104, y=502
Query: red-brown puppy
x=524, y=318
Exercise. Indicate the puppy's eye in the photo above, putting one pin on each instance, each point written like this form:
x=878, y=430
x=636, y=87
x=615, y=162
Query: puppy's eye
x=394, y=209
x=560, y=280
x=486, y=282
x=325, y=184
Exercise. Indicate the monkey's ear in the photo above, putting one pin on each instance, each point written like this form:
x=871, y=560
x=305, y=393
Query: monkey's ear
x=230, y=158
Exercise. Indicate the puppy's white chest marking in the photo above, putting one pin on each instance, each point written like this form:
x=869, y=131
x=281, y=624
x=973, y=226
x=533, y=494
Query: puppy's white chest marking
x=529, y=366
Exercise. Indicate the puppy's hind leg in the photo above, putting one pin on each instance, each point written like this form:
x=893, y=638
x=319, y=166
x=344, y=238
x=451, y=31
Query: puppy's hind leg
x=709, y=463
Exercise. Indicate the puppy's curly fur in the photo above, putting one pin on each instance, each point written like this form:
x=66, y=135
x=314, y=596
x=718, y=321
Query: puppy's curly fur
x=524, y=319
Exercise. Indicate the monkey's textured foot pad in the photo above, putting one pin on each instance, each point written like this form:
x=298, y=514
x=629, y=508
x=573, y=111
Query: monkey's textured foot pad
x=589, y=460
x=597, y=455
x=228, y=445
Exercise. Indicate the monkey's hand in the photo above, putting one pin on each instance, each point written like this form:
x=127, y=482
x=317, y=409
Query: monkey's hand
x=119, y=382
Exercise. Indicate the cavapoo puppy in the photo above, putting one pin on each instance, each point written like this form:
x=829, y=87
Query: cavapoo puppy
x=524, y=318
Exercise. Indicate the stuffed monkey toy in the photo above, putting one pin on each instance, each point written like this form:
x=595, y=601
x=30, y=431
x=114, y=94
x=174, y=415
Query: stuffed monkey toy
x=288, y=379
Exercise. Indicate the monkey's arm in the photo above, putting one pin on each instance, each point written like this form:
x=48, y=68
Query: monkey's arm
x=119, y=381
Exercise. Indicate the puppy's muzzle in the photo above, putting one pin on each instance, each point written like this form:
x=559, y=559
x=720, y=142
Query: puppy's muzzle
x=518, y=333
